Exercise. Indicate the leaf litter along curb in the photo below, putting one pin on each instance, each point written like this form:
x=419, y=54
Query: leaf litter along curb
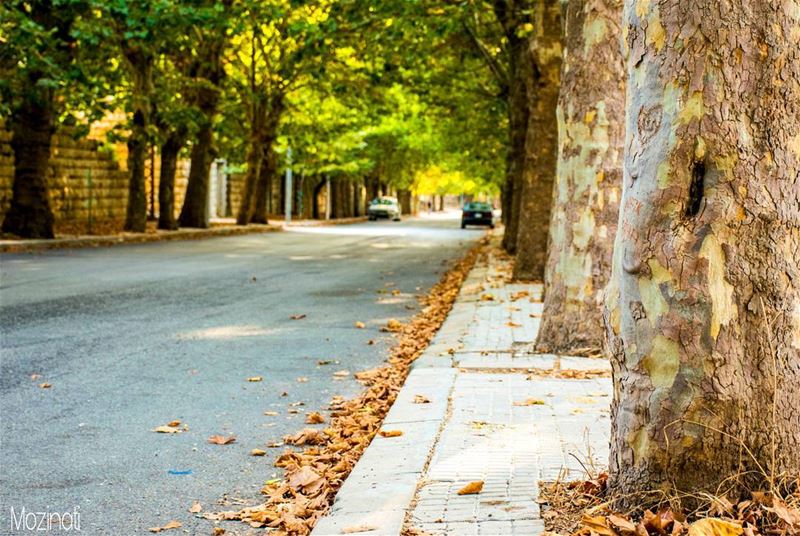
x=312, y=477
x=583, y=508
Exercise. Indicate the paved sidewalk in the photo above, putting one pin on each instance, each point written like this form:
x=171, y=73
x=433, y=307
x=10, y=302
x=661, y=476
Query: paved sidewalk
x=497, y=414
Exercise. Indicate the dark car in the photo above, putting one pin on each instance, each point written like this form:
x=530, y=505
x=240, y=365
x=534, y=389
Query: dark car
x=477, y=214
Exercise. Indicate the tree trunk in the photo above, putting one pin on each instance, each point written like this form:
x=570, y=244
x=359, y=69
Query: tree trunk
x=591, y=114
x=703, y=306
x=518, y=117
x=141, y=66
x=357, y=198
x=255, y=157
x=29, y=215
x=404, y=198
x=541, y=143
x=136, y=213
x=170, y=150
x=194, y=212
x=269, y=167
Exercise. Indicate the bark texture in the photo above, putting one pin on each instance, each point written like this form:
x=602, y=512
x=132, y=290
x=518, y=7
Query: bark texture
x=591, y=114
x=541, y=143
x=170, y=150
x=141, y=66
x=30, y=215
x=703, y=307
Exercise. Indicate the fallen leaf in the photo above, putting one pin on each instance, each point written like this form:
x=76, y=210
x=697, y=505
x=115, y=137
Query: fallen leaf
x=521, y=294
x=257, y=452
x=255, y=378
x=395, y=292
x=513, y=324
x=341, y=374
x=360, y=325
x=322, y=362
x=270, y=413
x=597, y=525
x=392, y=326
x=174, y=423
x=174, y=524
x=391, y=433
x=35, y=376
x=221, y=440
x=275, y=444
x=715, y=527
x=219, y=531
x=487, y=297
x=370, y=342
x=314, y=418
x=621, y=524
x=530, y=402
x=789, y=515
x=307, y=436
x=472, y=488
x=169, y=429
x=358, y=528
x=45, y=385
x=302, y=379
x=419, y=399
x=196, y=508
x=298, y=317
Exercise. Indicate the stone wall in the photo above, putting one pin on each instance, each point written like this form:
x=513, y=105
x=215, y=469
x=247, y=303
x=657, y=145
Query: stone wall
x=87, y=186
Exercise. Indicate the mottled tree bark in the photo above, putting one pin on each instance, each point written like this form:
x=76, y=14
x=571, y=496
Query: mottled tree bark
x=703, y=306
x=170, y=150
x=591, y=114
x=262, y=201
x=541, y=143
x=32, y=127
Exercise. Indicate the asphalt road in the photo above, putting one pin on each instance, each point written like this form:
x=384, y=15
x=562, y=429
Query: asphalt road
x=132, y=337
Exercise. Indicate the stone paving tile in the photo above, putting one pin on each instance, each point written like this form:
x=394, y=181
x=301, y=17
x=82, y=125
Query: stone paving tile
x=511, y=448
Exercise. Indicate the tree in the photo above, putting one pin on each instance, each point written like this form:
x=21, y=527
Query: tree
x=39, y=58
x=207, y=71
x=591, y=112
x=541, y=143
x=703, y=306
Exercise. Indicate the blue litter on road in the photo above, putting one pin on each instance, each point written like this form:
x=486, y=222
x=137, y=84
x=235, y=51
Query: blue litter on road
x=174, y=472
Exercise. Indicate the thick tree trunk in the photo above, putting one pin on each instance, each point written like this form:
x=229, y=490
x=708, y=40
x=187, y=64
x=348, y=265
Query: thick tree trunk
x=141, y=66
x=518, y=117
x=263, y=193
x=136, y=212
x=703, y=306
x=170, y=150
x=404, y=198
x=591, y=114
x=357, y=198
x=194, y=212
x=30, y=215
x=255, y=157
x=541, y=143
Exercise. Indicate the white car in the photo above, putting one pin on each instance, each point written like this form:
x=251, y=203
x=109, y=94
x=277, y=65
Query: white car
x=384, y=207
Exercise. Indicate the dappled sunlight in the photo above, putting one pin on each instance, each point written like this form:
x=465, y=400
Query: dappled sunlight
x=223, y=333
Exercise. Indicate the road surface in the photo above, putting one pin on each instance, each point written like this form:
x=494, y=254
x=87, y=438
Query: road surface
x=133, y=337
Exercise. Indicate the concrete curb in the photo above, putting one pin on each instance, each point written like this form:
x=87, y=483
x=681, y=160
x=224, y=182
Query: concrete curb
x=34, y=245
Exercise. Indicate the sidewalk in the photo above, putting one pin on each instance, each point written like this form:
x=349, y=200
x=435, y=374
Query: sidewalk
x=496, y=414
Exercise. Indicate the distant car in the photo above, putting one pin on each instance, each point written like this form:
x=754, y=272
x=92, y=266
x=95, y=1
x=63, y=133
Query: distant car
x=476, y=213
x=384, y=207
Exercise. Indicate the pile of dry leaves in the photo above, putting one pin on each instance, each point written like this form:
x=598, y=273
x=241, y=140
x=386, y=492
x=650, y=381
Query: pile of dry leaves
x=312, y=477
x=582, y=508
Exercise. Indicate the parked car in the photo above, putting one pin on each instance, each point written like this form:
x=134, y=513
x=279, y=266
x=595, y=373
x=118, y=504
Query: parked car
x=384, y=207
x=477, y=213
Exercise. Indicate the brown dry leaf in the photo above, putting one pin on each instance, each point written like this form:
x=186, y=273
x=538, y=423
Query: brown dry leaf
x=391, y=433
x=518, y=295
x=298, y=316
x=308, y=436
x=597, y=525
x=513, y=324
x=472, y=488
x=218, y=531
x=715, y=527
x=45, y=385
x=396, y=292
x=169, y=429
x=789, y=515
x=174, y=423
x=487, y=297
x=257, y=452
x=35, y=376
x=370, y=342
x=270, y=413
x=302, y=379
x=360, y=325
x=358, y=528
x=621, y=524
x=323, y=362
x=393, y=326
x=221, y=440
x=314, y=418
x=275, y=444
x=341, y=374
x=531, y=402
x=255, y=378
x=419, y=399
x=196, y=508
x=174, y=524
